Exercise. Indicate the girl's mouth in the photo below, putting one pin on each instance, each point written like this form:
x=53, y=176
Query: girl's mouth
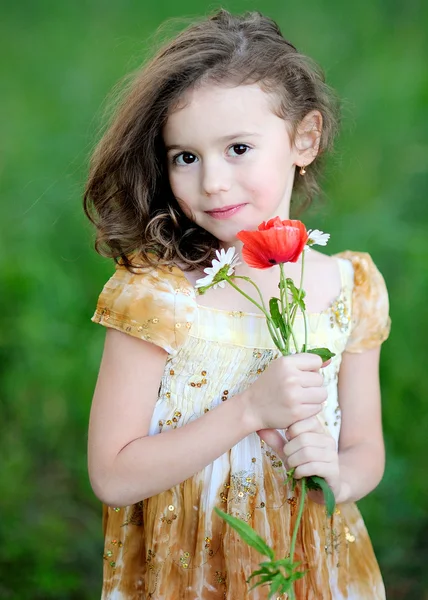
x=226, y=212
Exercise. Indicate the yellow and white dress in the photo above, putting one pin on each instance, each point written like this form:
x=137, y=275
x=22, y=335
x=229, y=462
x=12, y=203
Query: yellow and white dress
x=173, y=546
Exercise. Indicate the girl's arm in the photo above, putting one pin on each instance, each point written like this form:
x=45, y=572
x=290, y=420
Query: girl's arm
x=361, y=446
x=127, y=465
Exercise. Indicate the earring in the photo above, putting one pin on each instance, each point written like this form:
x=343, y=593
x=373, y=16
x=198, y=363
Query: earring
x=302, y=170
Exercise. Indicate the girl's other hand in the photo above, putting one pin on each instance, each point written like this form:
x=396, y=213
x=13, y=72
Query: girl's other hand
x=289, y=390
x=311, y=450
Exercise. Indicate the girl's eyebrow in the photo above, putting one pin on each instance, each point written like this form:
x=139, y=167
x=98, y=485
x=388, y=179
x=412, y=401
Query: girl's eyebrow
x=225, y=138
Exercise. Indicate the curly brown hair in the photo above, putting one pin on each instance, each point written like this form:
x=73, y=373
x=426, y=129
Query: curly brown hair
x=127, y=195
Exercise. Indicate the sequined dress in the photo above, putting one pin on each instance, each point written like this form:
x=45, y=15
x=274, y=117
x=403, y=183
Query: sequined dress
x=173, y=546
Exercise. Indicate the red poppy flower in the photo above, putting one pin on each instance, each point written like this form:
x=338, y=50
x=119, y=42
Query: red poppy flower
x=274, y=242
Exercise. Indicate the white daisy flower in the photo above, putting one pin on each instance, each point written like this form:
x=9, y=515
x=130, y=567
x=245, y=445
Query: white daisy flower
x=225, y=265
x=317, y=237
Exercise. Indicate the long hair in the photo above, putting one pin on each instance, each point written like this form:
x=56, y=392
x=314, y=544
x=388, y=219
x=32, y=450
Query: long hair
x=127, y=195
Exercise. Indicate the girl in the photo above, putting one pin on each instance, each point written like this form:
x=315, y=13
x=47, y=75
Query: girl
x=191, y=390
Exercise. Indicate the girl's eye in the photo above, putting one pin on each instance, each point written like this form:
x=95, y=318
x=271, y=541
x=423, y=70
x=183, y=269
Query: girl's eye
x=184, y=158
x=239, y=149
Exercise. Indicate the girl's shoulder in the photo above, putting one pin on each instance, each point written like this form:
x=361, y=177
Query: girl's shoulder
x=369, y=303
x=154, y=304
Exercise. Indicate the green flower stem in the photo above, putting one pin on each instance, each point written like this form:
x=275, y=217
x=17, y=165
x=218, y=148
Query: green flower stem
x=287, y=310
x=298, y=520
x=300, y=297
x=270, y=323
x=256, y=286
x=282, y=290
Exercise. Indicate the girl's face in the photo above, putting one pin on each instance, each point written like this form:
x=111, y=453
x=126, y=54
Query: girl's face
x=226, y=148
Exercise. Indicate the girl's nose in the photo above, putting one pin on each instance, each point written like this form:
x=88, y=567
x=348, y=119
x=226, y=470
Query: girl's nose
x=215, y=178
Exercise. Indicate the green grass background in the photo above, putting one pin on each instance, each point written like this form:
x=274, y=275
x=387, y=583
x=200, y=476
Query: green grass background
x=59, y=61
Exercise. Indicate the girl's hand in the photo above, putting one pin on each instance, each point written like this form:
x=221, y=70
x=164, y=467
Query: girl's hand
x=311, y=450
x=289, y=390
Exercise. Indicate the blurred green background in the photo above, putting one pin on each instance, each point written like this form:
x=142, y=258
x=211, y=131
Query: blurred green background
x=60, y=60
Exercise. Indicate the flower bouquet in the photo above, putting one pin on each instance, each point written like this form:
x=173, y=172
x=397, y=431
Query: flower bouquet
x=275, y=242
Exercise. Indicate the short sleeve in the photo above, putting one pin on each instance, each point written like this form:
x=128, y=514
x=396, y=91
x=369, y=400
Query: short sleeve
x=370, y=321
x=154, y=305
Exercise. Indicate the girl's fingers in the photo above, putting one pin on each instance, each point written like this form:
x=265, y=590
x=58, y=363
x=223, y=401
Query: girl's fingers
x=273, y=438
x=321, y=469
x=311, y=424
x=306, y=361
x=311, y=379
x=308, y=447
x=313, y=395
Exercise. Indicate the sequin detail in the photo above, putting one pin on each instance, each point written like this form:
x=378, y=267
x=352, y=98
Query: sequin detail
x=340, y=314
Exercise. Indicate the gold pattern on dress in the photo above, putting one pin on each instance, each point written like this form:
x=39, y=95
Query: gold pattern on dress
x=242, y=486
x=220, y=577
x=349, y=537
x=340, y=312
x=293, y=503
x=184, y=560
x=136, y=517
x=333, y=541
x=276, y=463
x=199, y=383
x=108, y=555
x=208, y=548
x=236, y=313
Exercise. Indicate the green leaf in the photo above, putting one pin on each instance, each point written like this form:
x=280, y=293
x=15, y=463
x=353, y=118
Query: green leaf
x=257, y=573
x=275, y=312
x=297, y=297
x=262, y=581
x=290, y=479
x=319, y=483
x=247, y=533
x=299, y=575
x=277, y=318
x=276, y=583
x=324, y=353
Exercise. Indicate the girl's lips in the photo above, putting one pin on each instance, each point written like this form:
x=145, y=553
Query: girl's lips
x=226, y=212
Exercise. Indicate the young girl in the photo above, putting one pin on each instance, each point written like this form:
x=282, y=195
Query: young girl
x=215, y=135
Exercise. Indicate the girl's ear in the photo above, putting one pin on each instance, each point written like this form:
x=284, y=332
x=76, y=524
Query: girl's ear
x=308, y=138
